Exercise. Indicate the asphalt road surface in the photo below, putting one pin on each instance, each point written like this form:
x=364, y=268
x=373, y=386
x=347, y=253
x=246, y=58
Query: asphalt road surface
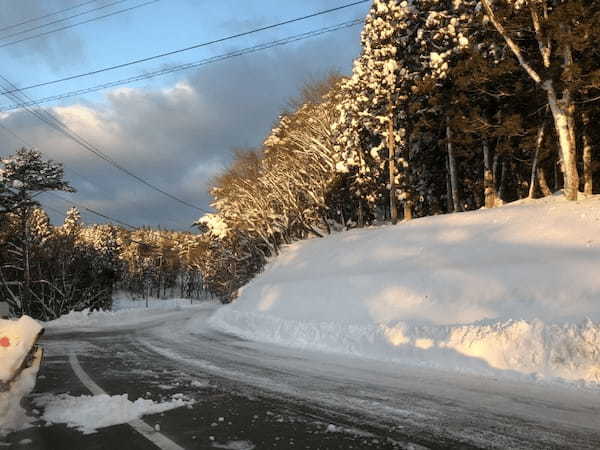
x=257, y=396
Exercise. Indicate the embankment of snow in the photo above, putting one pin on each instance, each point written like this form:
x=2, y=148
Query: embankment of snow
x=127, y=313
x=16, y=339
x=12, y=415
x=123, y=303
x=512, y=289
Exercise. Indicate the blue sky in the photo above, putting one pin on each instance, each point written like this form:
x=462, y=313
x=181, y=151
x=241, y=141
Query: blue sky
x=176, y=130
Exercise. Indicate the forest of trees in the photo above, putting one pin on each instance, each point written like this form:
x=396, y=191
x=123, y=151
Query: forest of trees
x=47, y=271
x=451, y=106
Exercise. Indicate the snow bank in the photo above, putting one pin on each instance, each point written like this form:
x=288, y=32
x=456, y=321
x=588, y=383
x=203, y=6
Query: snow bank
x=515, y=289
x=126, y=314
x=16, y=339
x=12, y=415
x=124, y=303
x=88, y=413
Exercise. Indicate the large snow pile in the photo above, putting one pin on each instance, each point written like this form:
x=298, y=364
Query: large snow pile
x=122, y=303
x=125, y=314
x=17, y=337
x=12, y=415
x=90, y=412
x=515, y=289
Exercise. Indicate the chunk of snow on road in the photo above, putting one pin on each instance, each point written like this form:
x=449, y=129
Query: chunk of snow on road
x=235, y=445
x=498, y=291
x=200, y=383
x=88, y=413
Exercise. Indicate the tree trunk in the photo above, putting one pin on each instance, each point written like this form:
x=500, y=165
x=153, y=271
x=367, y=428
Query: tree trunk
x=360, y=218
x=452, y=166
x=587, y=158
x=495, y=168
x=541, y=175
x=392, y=170
x=450, y=204
x=407, y=182
x=556, y=175
x=538, y=145
x=502, y=180
x=488, y=177
x=562, y=111
x=408, y=215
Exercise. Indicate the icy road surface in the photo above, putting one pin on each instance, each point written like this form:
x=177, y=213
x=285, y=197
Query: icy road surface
x=248, y=395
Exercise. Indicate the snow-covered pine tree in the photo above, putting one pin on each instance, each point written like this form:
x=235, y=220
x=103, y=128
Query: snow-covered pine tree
x=438, y=38
x=72, y=223
x=26, y=173
x=372, y=136
x=39, y=226
x=23, y=175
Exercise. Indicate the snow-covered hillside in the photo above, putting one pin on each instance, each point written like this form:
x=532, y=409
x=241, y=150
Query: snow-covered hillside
x=509, y=290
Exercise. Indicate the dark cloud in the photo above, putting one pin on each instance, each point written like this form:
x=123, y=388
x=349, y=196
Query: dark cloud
x=56, y=49
x=181, y=136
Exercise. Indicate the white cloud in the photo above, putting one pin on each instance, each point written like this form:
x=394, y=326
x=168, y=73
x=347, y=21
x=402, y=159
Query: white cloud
x=179, y=136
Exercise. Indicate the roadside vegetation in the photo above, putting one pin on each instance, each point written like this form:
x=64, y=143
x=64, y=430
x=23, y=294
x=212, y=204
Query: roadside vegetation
x=451, y=106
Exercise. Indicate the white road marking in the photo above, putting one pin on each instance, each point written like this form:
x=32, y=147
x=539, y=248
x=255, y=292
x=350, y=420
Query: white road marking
x=138, y=425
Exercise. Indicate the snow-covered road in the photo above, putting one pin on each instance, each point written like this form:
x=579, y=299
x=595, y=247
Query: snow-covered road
x=364, y=402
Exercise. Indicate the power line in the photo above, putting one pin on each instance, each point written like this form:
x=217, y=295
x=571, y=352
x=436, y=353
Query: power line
x=193, y=47
x=83, y=13
x=91, y=211
x=15, y=135
x=99, y=214
x=51, y=120
x=35, y=19
x=27, y=144
x=63, y=129
x=83, y=22
x=181, y=67
x=81, y=207
x=53, y=209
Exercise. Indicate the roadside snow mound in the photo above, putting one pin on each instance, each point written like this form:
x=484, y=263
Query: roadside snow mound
x=124, y=315
x=12, y=415
x=123, y=303
x=16, y=339
x=515, y=289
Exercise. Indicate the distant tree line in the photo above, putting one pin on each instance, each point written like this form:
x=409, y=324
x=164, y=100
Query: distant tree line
x=47, y=271
x=451, y=106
